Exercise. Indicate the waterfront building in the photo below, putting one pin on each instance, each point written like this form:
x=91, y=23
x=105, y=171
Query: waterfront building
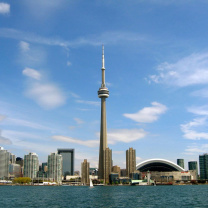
x=45, y=167
x=68, y=161
x=116, y=169
x=85, y=172
x=164, y=171
x=123, y=173
x=114, y=178
x=130, y=161
x=203, y=165
x=55, y=165
x=192, y=165
x=104, y=152
x=12, y=158
x=20, y=161
x=31, y=165
x=14, y=170
x=4, y=163
x=180, y=162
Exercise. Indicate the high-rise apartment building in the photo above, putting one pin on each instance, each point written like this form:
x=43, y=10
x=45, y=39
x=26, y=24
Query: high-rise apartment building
x=15, y=170
x=55, y=162
x=130, y=161
x=85, y=172
x=192, y=165
x=105, y=154
x=4, y=163
x=68, y=161
x=31, y=165
x=203, y=164
x=180, y=162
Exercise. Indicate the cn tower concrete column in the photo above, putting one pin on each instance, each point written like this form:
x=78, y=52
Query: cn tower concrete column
x=103, y=138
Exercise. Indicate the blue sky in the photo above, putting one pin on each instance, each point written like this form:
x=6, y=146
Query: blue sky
x=156, y=59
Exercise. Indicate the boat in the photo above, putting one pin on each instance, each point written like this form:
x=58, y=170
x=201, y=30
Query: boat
x=91, y=184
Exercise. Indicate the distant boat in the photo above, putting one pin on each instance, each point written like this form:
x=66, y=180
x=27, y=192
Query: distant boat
x=91, y=184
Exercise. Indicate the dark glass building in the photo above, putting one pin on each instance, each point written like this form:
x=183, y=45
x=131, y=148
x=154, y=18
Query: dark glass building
x=180, y=162
x=203, y=165
x=68, y=161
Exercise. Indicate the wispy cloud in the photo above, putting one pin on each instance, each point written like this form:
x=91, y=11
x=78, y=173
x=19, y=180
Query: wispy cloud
x=45, y=94
x=196, y=149
x=79, y=121
x=4, y=8
x=190, y=70
x=2, y=117
x=24, y=46
x=88, y=143
x=200, y=93
x=4, y=140
x=95, y=103
x=110, y=37
x=148, y=114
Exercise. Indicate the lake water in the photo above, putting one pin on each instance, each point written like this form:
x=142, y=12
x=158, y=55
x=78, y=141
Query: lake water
x=107, y=196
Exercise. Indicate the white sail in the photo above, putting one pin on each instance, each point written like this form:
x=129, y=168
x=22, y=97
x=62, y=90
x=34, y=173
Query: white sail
x=91, y=184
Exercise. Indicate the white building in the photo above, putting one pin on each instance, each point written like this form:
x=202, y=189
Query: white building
x=4, y=163
x=55, y=165
x=14, y=170
x=31, y=165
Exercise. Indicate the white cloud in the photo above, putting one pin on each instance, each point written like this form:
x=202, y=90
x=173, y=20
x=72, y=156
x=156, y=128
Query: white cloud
x=148, y=114
x=24, y=46
x=190, y=70
x=32, y=73
x=88, y=143
x=4, y=8
x=95, y=103
x=46, y=95
x=202, y=111
x=191, y=133
x=125, y=135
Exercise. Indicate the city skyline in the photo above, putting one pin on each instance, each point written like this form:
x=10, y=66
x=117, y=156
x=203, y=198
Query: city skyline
x=156, y=68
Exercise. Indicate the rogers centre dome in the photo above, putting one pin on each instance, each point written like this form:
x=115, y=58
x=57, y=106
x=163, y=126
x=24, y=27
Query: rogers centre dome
x=159, y=165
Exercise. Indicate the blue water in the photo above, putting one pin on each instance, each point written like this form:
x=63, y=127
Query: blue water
x=108, y=196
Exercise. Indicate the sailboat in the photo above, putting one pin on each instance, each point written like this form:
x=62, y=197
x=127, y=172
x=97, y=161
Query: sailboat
x=91, y=184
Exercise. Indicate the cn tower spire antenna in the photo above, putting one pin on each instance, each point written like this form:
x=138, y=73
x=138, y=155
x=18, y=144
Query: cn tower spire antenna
x=103, y=59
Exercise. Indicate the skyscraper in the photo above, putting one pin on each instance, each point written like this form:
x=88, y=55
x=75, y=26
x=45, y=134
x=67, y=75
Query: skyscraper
x=130, y=161
x=103, y=93
x=203, y=164
x=85, y=172
x=55, y=162
x=180, y=162
x=4, y=163
x=192, y=165
x=68, y=161
x=31, y=165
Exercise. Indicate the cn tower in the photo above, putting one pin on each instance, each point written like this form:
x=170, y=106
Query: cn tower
x=103, y=93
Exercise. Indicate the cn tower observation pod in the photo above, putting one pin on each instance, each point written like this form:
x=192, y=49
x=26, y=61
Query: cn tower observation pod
x=159, y=165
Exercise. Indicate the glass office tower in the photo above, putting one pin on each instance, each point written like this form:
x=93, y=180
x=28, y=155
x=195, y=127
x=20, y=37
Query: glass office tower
x=68, y=161
x=203, y=164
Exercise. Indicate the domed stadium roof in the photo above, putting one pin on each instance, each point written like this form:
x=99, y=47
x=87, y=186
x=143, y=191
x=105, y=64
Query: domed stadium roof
x=160, y=165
